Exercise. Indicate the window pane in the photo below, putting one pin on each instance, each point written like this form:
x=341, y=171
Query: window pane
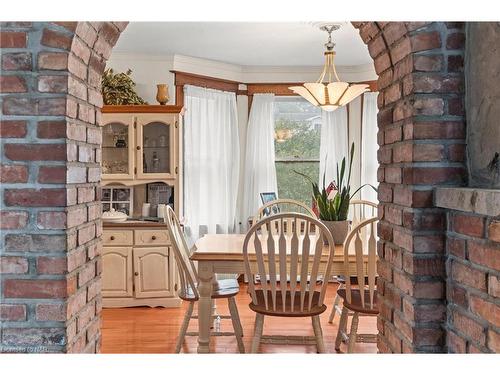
x=302, y=122
x=300, y=126
x=293, y=186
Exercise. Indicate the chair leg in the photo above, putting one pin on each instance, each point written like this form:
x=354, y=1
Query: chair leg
x=342, y=327
x=334, y=309
x=184, y=327
x=259, y=325
x=354, y=333
x=318, y=334
x=237, y=315
x=235, y=319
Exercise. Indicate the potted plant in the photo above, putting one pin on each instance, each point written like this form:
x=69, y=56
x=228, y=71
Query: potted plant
x=331, y=203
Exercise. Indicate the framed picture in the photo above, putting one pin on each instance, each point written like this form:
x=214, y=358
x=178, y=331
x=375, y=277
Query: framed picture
x=159, y=192
x=268, y=197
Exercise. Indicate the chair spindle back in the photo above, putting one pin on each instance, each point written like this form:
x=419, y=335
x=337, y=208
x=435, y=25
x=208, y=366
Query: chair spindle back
x=288, y=246
x=281, y=206
x=187, y=272
x=363, y=246
x=361, y=210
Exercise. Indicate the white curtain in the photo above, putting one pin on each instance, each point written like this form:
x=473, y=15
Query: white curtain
x=211, y=161
x=260, y=170
x=369, y=161
x=333, y=144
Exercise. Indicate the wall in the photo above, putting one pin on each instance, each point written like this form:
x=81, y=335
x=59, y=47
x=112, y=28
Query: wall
x=50, y=261
x=473, y=269
x=483, y=93
x=421, y=146
x=54, y=72
x=147, y=72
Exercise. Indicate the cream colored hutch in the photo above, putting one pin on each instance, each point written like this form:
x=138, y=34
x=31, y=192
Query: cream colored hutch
x=141, y=145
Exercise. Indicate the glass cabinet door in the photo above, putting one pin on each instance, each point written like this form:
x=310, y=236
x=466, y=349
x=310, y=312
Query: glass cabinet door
x=156, y=155
x=117, y=148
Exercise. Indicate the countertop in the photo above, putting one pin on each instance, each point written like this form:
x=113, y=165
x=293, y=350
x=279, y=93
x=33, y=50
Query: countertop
x=135, y=224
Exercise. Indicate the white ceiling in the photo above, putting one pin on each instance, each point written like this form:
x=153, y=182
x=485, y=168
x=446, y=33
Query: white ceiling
x=245, y=43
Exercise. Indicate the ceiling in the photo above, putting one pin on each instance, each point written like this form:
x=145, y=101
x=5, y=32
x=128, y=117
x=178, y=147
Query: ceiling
x=245, y=43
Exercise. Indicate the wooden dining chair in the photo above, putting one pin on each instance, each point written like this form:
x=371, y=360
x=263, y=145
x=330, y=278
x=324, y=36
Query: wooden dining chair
x=282, y=206
x=290, y=247
x=360, y=299
x=359, y=210
x=188, y=289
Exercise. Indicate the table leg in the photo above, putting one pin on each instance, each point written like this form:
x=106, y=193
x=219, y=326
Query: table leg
x=206, y=275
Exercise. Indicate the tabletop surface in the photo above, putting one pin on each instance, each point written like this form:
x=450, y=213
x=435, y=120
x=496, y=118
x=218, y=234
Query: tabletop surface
x=230, y=247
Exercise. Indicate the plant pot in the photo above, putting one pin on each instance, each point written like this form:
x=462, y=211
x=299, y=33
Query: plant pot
x=338, y=229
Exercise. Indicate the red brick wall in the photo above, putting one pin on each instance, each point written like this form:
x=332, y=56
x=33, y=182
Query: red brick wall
x=421, y=145
x=473, y=269
x=50, y=111
x=50, y=228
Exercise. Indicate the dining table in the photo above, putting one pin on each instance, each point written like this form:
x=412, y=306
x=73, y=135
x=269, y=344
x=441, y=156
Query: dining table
x=223, y=254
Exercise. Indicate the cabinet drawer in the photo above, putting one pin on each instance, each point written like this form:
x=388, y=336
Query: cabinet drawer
x=118, y=237
x=151, y=237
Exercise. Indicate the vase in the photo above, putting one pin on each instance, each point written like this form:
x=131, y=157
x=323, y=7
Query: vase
x=162, y=93
x=338, y=229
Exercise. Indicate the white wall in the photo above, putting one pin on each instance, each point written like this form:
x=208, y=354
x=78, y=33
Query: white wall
x=147, y=72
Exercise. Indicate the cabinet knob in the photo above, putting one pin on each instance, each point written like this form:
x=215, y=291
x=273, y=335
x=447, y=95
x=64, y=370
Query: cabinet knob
x=138, y=147
x=112, y=238
x=153, y=238
x=136, y=273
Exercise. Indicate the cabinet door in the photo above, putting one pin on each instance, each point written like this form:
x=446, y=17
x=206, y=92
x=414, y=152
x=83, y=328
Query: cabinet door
x=153, y=272
x=117, y=278
x=156, y=146
x=118, y=147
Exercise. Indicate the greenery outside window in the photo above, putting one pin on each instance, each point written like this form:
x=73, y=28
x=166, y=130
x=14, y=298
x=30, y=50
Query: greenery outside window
x=297, y=142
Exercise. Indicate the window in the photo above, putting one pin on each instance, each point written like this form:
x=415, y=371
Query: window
x=298, y=130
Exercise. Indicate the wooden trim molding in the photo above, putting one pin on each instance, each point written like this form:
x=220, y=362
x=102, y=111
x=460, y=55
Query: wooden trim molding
x=282, y=89
x=182, y=78
x=141, y=109
x=279, y=89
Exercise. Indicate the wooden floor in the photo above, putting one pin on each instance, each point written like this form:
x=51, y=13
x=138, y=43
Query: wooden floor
x=154, y=330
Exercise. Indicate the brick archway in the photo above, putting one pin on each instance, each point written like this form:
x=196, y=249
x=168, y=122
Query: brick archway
x=50, y=173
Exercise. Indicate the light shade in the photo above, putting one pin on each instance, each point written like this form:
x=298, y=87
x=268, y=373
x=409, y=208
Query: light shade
x=325, y=92
x=330, y=96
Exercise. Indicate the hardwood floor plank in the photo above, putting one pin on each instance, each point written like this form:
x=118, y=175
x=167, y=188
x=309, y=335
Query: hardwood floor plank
x=155, y=330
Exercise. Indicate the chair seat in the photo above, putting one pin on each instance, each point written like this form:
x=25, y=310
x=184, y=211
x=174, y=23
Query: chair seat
x=224, y=289
x=356, y=305
x=260, y=306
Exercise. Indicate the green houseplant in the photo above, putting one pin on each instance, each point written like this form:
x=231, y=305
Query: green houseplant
x=118, y=89
x=331, y=203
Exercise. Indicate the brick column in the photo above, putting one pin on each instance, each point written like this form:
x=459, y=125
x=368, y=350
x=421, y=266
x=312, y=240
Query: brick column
x=473, y=269
x=421, y=139
x=50, y=264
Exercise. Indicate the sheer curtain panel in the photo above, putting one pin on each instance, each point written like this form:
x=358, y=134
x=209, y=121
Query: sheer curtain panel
x=369, y=161
x=333, y=144
x=211, y=161
x=260, y=170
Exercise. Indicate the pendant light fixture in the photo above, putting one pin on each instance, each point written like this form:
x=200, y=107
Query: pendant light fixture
x=329, y=92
